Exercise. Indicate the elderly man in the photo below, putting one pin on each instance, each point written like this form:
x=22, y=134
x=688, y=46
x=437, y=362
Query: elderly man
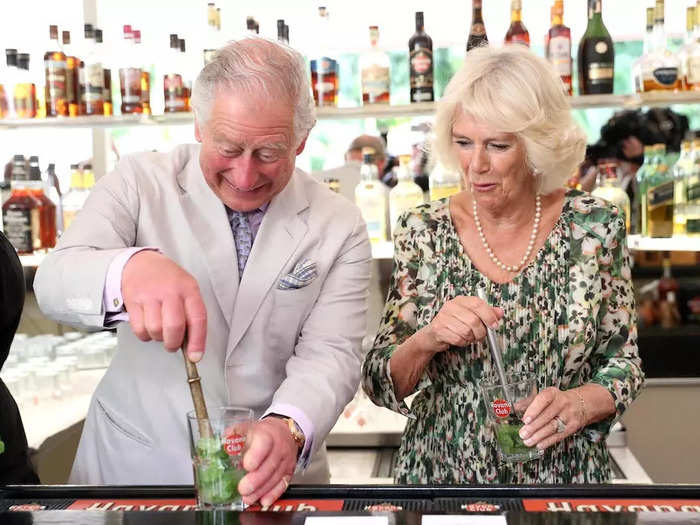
x=262, y=267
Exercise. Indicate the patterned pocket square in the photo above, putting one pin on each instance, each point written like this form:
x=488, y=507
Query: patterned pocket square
x=303, y=273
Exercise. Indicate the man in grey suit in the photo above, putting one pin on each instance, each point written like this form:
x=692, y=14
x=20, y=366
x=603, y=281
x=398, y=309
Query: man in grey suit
x=263, y=268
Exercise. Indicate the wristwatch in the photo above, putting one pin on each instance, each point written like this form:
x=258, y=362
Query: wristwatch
x=297, y=434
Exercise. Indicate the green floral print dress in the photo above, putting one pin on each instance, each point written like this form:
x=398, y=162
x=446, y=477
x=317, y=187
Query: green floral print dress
x=569, y=319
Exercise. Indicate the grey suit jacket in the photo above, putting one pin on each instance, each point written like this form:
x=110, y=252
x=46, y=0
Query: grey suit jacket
x=265, y=345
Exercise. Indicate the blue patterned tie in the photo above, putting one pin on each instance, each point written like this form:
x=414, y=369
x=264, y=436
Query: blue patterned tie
x=243, y=237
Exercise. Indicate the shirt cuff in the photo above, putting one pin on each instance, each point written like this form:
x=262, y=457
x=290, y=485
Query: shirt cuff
x=306, y=426
x=112, y=300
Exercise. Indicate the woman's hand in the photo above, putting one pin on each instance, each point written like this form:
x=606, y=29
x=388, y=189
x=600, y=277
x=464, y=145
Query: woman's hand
x=551, y=417
x=460, y=321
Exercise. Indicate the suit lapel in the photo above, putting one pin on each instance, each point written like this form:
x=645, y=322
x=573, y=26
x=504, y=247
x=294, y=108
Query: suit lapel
x=206, y=217
x=281, y=231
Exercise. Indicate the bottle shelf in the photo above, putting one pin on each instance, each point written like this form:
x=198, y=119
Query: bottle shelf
x=631, y=101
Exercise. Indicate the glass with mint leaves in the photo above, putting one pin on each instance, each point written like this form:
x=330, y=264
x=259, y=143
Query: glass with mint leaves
x=217, y=446
x=505, y=405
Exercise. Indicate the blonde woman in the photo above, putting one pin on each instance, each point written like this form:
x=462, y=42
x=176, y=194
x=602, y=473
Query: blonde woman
x=554, y=265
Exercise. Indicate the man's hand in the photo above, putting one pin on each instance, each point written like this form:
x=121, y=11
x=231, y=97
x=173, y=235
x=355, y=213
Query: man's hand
x=269, y=461
x=164, y=303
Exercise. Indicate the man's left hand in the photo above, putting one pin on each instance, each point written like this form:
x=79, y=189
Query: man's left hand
x=552, y=416
x=269, y=462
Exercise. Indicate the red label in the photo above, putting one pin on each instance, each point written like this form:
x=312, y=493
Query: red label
x=421, y=63
x=501, y=407
x=134, y=504
x=481, y=506
x=233, y=445
x=611, y=505
x=300, y=505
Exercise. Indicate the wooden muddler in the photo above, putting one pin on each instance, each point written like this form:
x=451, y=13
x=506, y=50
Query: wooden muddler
x=200, y=407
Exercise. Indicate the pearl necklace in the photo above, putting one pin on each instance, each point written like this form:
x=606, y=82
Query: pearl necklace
x=530, y=245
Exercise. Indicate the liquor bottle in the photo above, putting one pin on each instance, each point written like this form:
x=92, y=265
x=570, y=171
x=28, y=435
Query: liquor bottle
x=370, y=197
x=72, y=76
x=558, y=45
x=659, y=196
x=211, y=36
x=93, y=98
x=374, y=72
x=692, y=194
x=443, y=183
x=52, y=189
x=691, y=63
x=186, y=79
x=324, y=69
x=596, y=55
x=145, y=75
x=680, y=171
x=20, y=213
x=640, y=207
x=47, y=209
x=107, y=75
x=280, y=31
x=75, y=198
x=608, y=188
x=420, y=56
x=668, y=295
x=477, y=31
x=286, y=33
x=9, y=79
x=517, y=32
x=406, y=194
x=130, y=76
x=639, y=66
x=663, y=66
x=56, y=76
x=173, y=86
x=88, y=180
x=25, y=89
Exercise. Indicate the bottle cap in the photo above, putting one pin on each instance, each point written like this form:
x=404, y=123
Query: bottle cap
x=75, y=166
x=87, y=166
x=98, y=36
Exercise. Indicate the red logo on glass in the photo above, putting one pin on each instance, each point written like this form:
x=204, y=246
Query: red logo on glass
x=233, y=444
x=501, y=408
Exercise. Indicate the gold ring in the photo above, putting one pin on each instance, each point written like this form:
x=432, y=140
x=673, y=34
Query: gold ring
x=561, y=425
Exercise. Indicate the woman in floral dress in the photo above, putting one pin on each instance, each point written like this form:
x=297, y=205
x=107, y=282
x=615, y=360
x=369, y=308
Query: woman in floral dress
x=556, y=271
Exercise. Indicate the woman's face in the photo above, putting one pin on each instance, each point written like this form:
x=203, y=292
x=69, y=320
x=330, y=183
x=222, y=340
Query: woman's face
x=493, y=163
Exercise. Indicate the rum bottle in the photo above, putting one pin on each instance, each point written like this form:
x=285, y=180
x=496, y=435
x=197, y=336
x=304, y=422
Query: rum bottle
x=187, y=81
x=324, y=69
x=663, y=65
x=517, y=32
x=107, y=75
x=72, y=76
x=55, y=69
x=558, y=46
x=145, y=76
x=20, y=213
x=93, y=96
x=25, y=90
x=375, y=72
x=596, y=54
x=477, y=31
x=47, y=209
x=130, y=76
x=659, y=196
x=7, y=97
x=608, y=188
x=173, y=86
x=680, y=172
x=420, y=56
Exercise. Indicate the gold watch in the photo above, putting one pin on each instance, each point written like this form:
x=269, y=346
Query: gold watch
x=297, y=434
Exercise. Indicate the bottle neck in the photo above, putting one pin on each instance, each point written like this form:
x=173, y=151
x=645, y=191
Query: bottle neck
x=477, y=17
x=595, y=12
x=516, y=15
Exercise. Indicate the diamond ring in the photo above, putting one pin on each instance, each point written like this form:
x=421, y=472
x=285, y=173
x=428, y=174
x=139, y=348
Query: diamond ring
x=561, y=425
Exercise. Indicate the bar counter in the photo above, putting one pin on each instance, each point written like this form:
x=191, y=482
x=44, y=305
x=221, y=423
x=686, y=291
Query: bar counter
x=353, y=505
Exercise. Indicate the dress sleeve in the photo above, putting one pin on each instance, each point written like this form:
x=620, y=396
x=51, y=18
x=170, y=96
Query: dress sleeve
x=400, y=316
x=615, y=360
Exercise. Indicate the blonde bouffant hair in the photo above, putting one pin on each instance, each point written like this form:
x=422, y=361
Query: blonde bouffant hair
x=515, y=91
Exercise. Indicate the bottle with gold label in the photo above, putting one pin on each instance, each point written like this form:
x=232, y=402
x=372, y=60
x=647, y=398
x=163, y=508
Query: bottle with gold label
x=686, y=194
x=72, y=76
x=55, y=68
x=375, y=72
x=406, y=194
x=659, y=195
x=608, y=188
x=20, y=213
x=596, y=55
x=691, y=56
x=680, y=172
x=371, y=198
x=662, y=71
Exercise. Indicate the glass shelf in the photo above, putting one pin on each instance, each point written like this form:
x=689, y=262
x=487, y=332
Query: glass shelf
x=631, y=101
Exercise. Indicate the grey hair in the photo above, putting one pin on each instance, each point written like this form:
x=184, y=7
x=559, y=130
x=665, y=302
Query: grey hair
x=256, y=65
x=515, y=91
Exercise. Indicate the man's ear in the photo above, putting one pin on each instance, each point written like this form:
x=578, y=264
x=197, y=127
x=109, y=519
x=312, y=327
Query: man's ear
x=197, y=132
x=302, y=145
